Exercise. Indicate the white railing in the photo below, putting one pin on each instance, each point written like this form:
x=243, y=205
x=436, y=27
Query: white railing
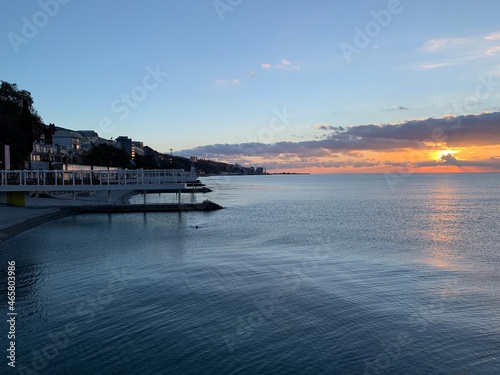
x=89, y=178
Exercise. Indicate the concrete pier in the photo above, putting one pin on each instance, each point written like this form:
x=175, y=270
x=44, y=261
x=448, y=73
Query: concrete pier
x=168, y=207
x=44, y=188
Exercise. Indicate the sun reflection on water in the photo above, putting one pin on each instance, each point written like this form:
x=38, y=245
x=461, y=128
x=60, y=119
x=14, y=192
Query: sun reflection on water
x=443, y=231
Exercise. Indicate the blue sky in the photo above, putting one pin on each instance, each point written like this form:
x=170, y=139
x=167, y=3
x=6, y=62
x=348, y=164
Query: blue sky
x=225, y=70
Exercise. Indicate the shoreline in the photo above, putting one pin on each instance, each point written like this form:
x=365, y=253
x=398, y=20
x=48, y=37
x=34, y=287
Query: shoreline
x=29, y=219
x=15, y=220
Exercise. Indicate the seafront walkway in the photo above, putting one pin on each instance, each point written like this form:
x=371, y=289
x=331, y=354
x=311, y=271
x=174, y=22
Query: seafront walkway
x=97, y=180
x=60, y=193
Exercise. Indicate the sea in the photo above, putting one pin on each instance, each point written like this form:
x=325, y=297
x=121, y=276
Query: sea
x=299, y=274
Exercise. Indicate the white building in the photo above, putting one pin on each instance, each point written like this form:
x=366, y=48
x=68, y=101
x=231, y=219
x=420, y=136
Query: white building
x=68, y=139
x=43, y=155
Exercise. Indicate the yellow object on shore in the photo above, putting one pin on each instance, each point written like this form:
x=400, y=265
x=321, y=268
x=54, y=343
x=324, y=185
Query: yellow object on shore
x=16, y=198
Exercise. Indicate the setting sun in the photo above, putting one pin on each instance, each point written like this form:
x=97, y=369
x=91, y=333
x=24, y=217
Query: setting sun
x=441, y=154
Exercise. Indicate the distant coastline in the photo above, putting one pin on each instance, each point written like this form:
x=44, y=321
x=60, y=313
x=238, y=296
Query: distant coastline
x=299, y=173
x=263, y=174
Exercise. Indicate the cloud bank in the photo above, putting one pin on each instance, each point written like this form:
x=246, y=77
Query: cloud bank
x=424, y=134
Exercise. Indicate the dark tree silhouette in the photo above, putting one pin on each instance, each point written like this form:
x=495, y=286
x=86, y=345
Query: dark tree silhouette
x=147, y=162
x=107, y=156
x=19, y=122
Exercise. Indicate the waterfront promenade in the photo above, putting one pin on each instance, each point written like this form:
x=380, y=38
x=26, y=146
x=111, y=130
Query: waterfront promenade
x=98, y=180
x=31, y=198
x=86, y=187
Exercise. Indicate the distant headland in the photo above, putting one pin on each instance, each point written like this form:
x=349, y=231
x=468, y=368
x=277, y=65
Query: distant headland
x=26, y=142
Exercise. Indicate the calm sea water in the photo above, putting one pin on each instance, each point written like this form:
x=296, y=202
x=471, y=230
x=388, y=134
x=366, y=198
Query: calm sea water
x=331, y=274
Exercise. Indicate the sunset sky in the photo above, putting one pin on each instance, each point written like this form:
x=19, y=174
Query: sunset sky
x=319, y=86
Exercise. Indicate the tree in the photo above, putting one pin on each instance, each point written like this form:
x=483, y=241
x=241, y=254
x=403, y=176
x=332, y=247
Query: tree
x=20, y=123
x=107, y=156
x=146, y=162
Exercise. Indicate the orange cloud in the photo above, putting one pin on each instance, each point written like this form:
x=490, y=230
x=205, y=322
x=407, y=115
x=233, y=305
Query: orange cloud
x=452, y=143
